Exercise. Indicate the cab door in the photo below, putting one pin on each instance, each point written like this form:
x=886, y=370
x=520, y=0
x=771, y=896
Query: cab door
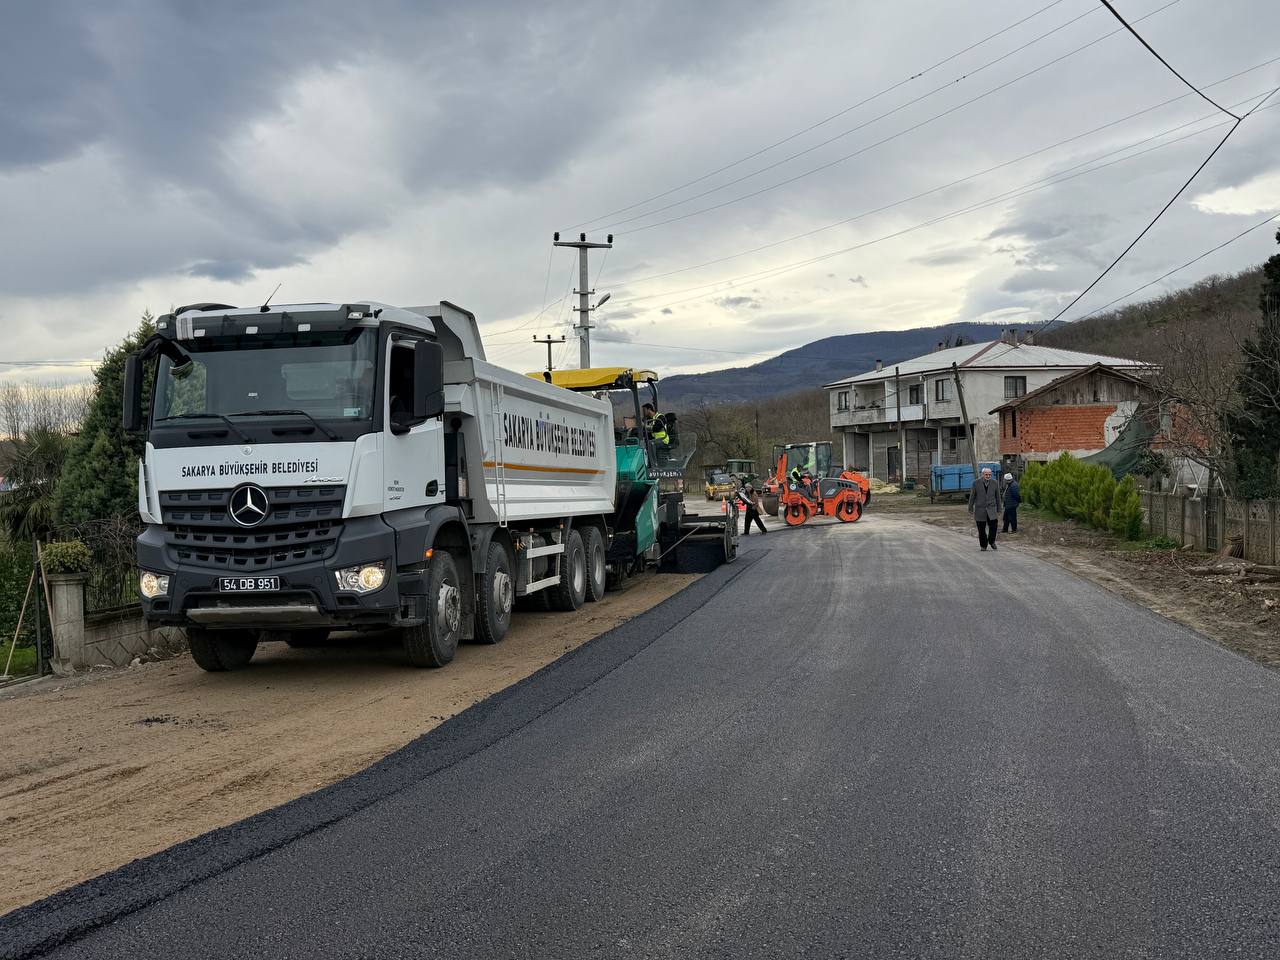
x=413, y=453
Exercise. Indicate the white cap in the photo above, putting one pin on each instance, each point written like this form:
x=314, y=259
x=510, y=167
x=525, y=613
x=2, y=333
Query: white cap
x=1008, y=476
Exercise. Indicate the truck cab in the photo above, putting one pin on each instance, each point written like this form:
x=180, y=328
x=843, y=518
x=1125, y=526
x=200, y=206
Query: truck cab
x=357, y=466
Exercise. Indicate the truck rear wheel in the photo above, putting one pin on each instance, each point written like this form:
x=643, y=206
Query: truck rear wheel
x=434, y=643
x=571, y=591
x=220, y=650
x=497, y=596
x=596, y=572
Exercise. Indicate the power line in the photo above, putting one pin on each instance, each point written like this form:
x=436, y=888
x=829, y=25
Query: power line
x=791, y=353
x=1116, y=13
x=1022, y=190
x=1193, y=260
x=958, y=181
x=866, y=123
x=1234, y=126
x=869, y=147
x=799, y=133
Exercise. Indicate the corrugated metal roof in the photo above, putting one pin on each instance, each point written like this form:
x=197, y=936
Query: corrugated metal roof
x=993, y=355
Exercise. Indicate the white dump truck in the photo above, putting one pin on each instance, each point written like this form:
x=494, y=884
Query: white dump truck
x=358, y=466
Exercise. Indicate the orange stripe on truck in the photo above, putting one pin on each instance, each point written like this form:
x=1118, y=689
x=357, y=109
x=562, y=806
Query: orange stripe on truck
x=537, y=468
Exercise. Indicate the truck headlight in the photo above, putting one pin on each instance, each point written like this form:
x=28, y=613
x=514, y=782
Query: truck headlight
x=365, y=578
x=153, y=585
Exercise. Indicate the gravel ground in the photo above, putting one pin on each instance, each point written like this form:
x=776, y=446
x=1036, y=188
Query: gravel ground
x=119, y=764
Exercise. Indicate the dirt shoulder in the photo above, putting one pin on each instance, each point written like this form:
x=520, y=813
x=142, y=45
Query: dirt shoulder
x=103, y=769
x=1233, y=613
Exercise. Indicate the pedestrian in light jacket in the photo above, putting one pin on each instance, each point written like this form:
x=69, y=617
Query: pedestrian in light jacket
x=985, y=504
x=1012, y=497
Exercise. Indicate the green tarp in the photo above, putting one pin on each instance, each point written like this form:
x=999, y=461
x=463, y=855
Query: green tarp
x=1127, y=449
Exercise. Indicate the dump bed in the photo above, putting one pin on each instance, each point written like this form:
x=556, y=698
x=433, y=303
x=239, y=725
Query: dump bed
x=532, y=450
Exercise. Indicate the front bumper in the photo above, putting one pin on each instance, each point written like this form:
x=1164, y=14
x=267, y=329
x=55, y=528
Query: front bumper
x=308, y=594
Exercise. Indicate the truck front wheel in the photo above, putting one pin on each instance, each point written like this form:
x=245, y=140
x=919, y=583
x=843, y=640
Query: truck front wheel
x=433, y=643
x=219, y=650
x=497, y=596
x=571, y=591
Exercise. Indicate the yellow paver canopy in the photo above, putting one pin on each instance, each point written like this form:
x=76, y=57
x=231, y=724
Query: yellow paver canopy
x=596, y=378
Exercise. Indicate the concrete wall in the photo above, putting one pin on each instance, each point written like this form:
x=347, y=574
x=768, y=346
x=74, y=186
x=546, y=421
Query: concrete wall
x=112, y=638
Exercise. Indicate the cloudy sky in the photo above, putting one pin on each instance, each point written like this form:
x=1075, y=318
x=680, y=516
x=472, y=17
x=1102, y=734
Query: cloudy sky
x=772, y=172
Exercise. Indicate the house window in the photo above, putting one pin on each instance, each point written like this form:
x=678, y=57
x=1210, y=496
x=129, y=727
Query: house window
x=954, y=436
x=915, y=394
x=942, y=390
x=842, y=400
x=1015, y=387
x=1013, y=422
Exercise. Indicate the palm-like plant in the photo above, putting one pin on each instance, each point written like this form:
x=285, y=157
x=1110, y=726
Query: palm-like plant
x=26, y=511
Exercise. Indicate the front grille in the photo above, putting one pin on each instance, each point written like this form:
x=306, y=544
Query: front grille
x=303, y=523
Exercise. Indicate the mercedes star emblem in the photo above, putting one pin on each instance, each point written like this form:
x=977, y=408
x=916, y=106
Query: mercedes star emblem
x=249, y=505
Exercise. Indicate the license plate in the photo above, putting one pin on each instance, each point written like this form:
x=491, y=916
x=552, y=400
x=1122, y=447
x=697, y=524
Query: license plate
x=247, y=584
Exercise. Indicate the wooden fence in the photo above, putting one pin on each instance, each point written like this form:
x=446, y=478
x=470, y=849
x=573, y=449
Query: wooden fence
x=1207, y=523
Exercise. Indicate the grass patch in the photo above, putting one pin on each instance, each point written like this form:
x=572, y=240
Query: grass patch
x=1153, y=543
x=24, y=660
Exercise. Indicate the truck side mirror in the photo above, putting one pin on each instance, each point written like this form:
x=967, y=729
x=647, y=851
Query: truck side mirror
x=428, y=380
x=131, y=413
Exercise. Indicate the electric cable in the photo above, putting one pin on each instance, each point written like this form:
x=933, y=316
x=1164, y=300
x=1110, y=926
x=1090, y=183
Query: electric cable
x=826, y=120
x=1116, y=13
x=1234, y=126
x=958, y=181
x=1022, y=190
x=849, y=156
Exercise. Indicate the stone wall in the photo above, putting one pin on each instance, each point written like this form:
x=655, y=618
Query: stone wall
x=110, y=638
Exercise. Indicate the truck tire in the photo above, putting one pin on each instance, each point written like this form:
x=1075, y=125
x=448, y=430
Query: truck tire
x=220, y=650
x=571, y=591
x=434, y=643
x=596, y=572
x=496, y=596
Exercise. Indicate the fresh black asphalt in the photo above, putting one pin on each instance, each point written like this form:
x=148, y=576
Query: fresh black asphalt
x=869, y=740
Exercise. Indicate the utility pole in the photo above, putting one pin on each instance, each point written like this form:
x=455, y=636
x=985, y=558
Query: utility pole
x=584, y=290
x=902, y=431
x=964, y=414
x=548, y=343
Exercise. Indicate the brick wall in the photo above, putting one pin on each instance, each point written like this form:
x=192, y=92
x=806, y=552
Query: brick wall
x=1056, y=428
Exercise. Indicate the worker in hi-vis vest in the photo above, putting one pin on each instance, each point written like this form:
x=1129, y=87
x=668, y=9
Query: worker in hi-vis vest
x=656, y=424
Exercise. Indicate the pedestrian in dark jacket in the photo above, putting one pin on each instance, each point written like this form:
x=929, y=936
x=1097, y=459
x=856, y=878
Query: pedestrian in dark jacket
x=750, y=501
x=1012, y=497
x=984, y=504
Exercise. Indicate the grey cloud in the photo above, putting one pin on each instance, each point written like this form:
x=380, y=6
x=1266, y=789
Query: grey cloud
x=858, y=281
x=667, y=310
x=733, y=303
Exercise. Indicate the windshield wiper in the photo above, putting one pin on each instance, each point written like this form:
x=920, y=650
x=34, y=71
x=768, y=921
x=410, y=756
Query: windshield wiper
x=208, y=416
x=286, y=413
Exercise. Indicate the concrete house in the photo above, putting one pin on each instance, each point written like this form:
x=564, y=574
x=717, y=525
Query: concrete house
x=864, y=408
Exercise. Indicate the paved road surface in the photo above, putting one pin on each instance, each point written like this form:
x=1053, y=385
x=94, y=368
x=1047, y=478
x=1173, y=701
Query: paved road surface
x=860, y=741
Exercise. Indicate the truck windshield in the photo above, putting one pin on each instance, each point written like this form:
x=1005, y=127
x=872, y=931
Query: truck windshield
x=327, y=375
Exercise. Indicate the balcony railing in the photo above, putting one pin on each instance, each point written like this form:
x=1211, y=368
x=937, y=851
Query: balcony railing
x=858, y=416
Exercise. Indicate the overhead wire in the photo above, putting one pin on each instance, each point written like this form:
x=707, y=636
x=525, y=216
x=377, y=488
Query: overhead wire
x=953, y=183
x=826, y=355
x=1204, y=163
x=1116, y=13
x=856, y=153
x=1030, y=187
x=835, y=116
